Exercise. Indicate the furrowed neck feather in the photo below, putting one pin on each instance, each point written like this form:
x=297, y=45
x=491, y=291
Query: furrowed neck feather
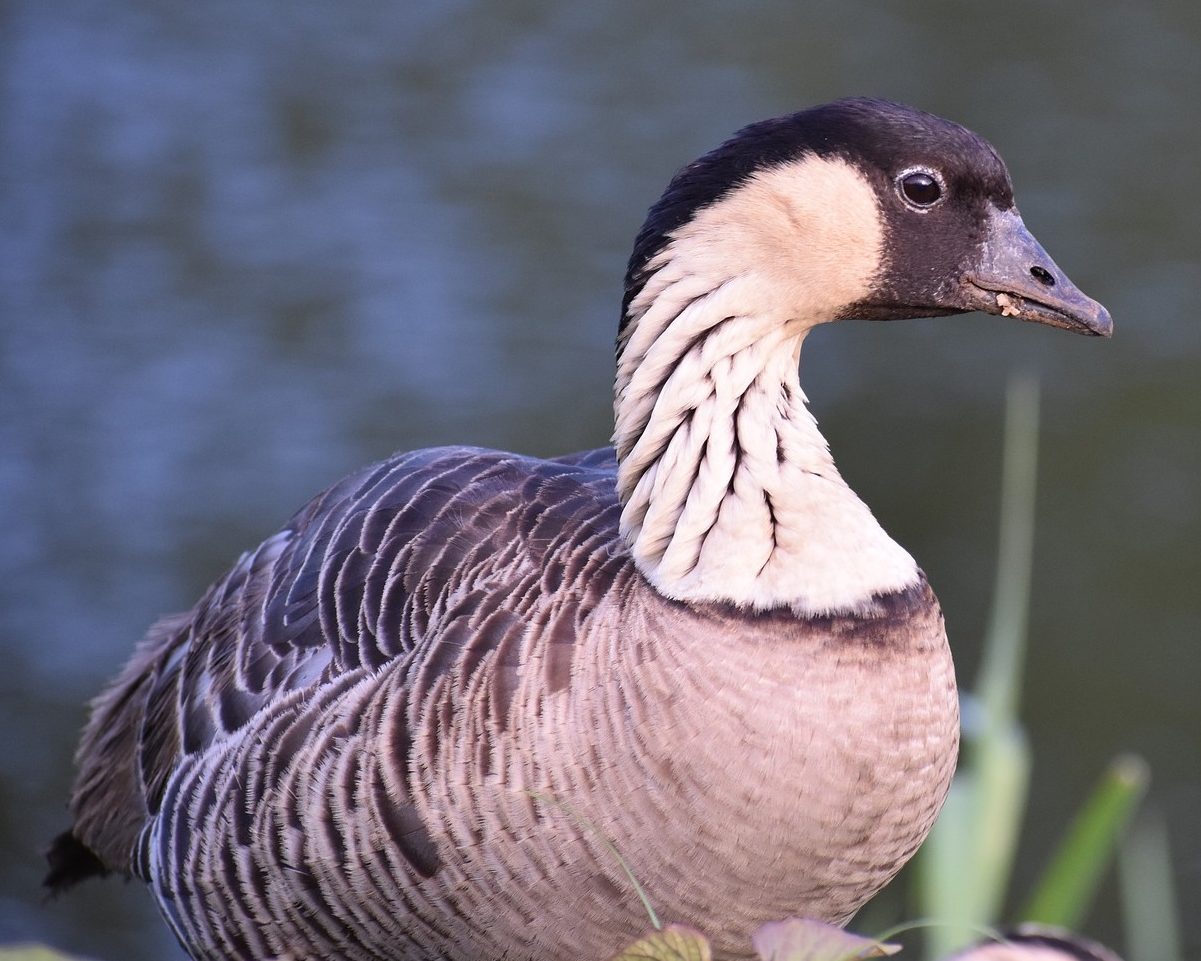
x=728, y=489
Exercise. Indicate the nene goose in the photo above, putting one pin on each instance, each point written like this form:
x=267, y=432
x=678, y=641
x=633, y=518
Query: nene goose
x=410, y=724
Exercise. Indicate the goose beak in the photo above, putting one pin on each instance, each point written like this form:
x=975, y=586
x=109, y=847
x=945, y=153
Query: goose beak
x=1014, y=277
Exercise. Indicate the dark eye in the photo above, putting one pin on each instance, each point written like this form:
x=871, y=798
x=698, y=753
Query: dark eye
x=920, y=189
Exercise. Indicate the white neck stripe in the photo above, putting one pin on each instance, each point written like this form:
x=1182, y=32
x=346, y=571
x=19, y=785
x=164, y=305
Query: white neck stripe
x=729, y=491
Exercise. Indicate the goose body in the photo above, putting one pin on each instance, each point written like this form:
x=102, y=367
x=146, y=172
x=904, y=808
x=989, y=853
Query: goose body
x=416, y=721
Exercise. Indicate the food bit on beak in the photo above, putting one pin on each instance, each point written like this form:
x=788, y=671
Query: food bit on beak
x=1010, y=306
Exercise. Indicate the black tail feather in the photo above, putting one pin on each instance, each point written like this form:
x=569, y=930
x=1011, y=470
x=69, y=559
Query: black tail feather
x=71, y=861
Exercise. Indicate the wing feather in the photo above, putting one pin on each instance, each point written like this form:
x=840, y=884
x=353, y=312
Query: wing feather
x=448, y=556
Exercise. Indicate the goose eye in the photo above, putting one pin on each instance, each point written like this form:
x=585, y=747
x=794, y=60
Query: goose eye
x=921, y=189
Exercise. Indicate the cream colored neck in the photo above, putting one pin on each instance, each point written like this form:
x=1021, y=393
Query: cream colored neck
x=728, y=488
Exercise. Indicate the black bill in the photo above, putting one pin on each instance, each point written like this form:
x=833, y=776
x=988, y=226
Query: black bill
x=1016, y=278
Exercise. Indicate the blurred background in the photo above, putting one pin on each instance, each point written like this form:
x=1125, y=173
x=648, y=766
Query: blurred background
x=248, y=246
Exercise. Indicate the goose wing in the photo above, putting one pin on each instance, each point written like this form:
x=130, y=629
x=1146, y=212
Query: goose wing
x=415, y=557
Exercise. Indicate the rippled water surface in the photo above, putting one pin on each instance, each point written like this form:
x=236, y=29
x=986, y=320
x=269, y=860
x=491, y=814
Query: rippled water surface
x=247, y=246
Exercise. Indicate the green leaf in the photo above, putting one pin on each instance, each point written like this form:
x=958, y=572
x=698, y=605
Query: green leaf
x=1070, y=881
x=799, y=939
x=674, y=943
x=999, y=681
x=1148, y=891
x=34, y=952
x=965, y=864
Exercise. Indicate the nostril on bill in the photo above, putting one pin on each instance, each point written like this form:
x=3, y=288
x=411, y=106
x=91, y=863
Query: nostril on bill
x=1043, y=276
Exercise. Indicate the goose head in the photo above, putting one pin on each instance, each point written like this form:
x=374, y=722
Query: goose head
x=856, y=209
x=860, y=208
